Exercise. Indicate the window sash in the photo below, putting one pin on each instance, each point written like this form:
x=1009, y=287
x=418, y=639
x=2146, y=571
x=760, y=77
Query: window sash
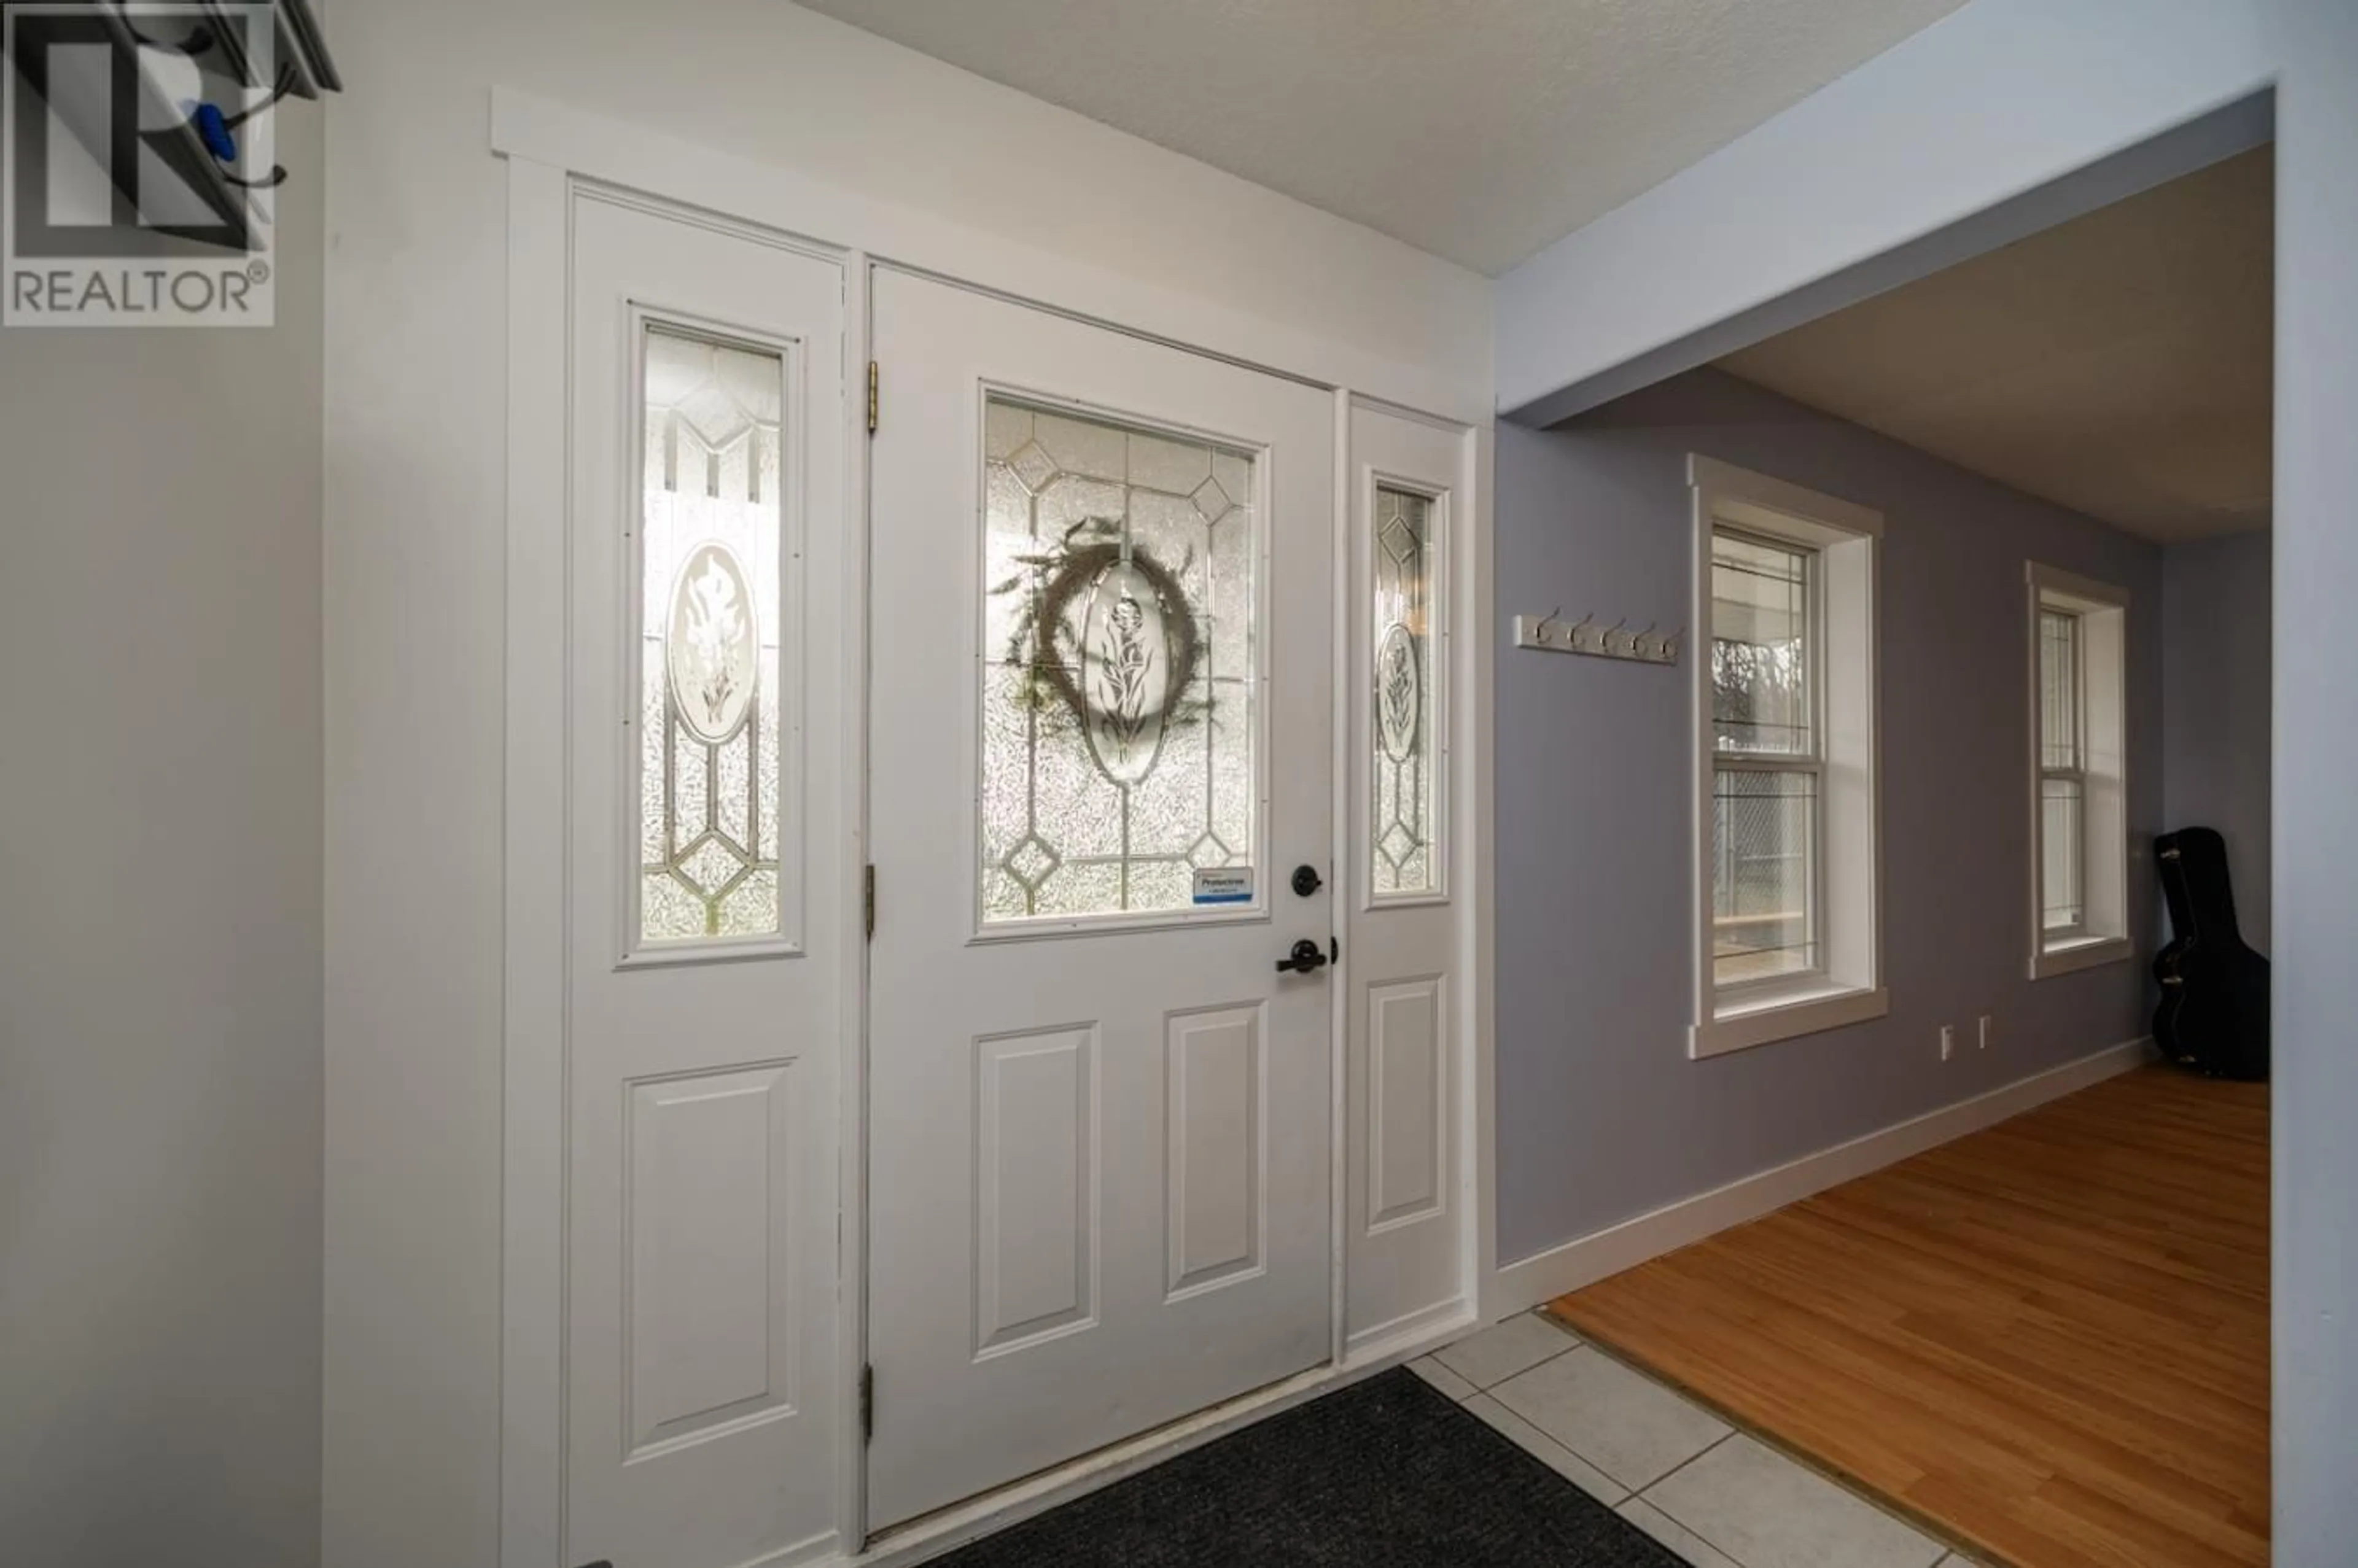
x=1812, y=935
x=2063, y=846
x=2062, y=745
x=1810, y=729
x=1807, y=759
x=2073, y=863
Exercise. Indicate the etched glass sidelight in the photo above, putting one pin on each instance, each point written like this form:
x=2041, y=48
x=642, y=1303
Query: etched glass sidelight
x=1119, y=664
x=1401, y=760
x=708, y=649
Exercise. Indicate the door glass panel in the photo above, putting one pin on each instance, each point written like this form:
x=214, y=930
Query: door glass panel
x=709, y=640
x=1118, y=666
x=1401, y=761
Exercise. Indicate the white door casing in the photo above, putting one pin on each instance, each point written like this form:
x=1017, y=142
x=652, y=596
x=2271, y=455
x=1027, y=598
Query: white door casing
x=1098, y=1169
x=559, y=157
x=707, y=550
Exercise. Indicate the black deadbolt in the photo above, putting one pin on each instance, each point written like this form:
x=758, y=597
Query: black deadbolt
x=1306, y=880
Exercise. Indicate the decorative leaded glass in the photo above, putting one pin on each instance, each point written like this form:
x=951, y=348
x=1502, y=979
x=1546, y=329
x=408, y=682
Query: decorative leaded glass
x=708, y=629
x=2058, y=689
x=1401, y=821
x=1762, y=646
x=1764, y=861
x=1119, y=664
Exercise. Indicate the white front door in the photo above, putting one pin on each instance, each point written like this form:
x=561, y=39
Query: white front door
x=1102, y=742
x=706, y=924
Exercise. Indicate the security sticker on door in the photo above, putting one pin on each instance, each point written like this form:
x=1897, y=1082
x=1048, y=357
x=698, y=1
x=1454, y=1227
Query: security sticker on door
x=1224, y=884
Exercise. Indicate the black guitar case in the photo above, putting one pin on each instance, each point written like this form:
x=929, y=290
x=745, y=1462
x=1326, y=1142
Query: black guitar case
x=2213, y=1015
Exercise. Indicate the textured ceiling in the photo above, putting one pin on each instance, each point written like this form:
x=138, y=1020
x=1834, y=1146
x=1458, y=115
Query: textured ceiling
x=1478, y=130
x=2120, y=363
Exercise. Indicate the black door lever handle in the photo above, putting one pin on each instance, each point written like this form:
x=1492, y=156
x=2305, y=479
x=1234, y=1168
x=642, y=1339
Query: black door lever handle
x=1304, y=957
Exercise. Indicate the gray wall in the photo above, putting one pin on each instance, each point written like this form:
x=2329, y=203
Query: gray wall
x=2216, y=622
x=1601, y=1115
x=160, y=798
x=2313, y=926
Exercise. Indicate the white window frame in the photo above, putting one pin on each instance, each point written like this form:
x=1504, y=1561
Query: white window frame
x=2102, y=653
x=1847, y=985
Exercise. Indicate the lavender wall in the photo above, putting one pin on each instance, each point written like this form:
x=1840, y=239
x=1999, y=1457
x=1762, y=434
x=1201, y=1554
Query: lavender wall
x=2216, y=624
x=1601, y=1115
x=1998, y=99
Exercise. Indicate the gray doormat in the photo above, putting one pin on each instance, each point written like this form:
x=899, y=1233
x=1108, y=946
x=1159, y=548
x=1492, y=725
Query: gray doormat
x=1385, y=1473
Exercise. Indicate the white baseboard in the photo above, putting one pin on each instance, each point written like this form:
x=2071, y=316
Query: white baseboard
x=1543, y=1277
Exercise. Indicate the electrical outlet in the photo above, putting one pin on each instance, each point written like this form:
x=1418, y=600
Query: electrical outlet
x=1984, y=1042
x=1948, y=1041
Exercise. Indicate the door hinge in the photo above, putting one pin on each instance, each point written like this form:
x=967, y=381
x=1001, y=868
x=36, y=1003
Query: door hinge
x=874, y=401
x=868, y=1404
x=868, y=902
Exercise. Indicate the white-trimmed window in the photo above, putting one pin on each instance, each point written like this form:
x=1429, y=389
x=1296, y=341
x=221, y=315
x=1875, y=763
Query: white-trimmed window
x=2078, y=773
x=1787, y=875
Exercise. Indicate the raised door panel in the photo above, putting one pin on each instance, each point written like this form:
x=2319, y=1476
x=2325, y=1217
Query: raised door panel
x=1407, y=1137
x=711, y=1245
x=1216, y=1205
x=1036, y=1187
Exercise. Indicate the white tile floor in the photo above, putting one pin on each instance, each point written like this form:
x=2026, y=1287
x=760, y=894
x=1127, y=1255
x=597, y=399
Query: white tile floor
x=1713, y=1496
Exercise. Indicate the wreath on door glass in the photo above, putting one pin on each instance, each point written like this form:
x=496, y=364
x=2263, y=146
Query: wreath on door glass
x=1045, y=647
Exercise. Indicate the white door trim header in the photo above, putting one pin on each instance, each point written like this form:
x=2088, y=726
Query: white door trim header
x=612, y=152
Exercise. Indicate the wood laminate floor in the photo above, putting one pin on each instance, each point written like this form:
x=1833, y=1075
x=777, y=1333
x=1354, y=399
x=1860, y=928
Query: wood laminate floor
x=2048, y=1340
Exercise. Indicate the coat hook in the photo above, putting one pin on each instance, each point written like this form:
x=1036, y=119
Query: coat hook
x=1546, y=621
